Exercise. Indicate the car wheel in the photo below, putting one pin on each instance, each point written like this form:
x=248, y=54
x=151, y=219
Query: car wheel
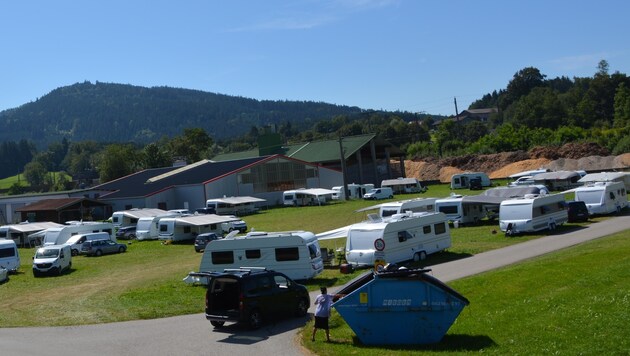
x=302, y=308
x=255, y=319
x=98, y=253
x=217, y=324
x=75, y=252
x=121, y=249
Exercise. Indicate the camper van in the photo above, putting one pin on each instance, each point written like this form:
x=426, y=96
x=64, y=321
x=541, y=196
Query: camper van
x=54, y=259
x=378, y=194
x=462, y=180
x=355, y=191
x=532, y=213
x=130, y=217
x=603, y=197
x=459, y=212
x=76, y=241
x=404, y=185
x=418, y=205
x=233, y=205
x=304, y=197
x=294, y=253
x=60, y=235
x=186, y=228
x=402, y=237
x=9, y=256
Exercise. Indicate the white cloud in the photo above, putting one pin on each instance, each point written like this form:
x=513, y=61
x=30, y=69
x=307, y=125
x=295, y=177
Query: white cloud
x=578, y=62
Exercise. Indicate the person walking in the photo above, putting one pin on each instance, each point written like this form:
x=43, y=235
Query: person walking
x=322, y=312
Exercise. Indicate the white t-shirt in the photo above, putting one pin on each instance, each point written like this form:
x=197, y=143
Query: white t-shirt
x=323, y=302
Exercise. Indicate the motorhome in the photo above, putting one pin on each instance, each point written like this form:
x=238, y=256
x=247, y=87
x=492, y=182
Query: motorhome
x=532, y=213
x=9, y=255
x=60, y=235
x=233, y=205
x=400, y=237
x=303, y=197
x=355, y=191
x=404, y=185
x=379, y=193
x=186, y=228
x=22, y=233
x=462, y=180
x=603, y=197
x=459, y=212
x=294, y=253
x=130, y=217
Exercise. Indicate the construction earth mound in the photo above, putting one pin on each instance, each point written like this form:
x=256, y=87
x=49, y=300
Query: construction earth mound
x=589, y=157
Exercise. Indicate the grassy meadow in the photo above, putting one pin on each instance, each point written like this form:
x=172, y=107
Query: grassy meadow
x=514, y=310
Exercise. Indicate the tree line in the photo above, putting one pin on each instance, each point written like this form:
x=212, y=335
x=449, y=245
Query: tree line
x=532, y=111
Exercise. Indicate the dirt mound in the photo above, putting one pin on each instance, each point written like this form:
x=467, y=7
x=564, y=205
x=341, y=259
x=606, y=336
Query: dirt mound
x=570, y=157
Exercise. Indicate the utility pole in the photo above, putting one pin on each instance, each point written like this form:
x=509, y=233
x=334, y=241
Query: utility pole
x=456, y=111
x=342, y=158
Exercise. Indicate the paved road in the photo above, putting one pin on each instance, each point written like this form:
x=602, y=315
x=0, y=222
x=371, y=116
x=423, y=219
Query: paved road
x=193, y=335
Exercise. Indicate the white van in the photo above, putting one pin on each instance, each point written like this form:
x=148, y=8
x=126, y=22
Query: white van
x=603, y=197
x=59, y=235
x=532, y=213
x=379, y=193
x=402, y=237
x=9, y=255
x=53, y=259
x=76, y=241
x=294, y=253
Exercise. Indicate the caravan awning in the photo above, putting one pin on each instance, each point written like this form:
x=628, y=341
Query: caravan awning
x=206, y=219
x=33, y=227
x=238, y=200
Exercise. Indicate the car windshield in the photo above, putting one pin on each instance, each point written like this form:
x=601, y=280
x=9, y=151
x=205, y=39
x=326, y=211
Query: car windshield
x=47, y=253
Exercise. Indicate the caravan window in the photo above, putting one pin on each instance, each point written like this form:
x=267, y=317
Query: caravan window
x=314, y=251
x=163, y=228
x=252, y=254
x=440, y=228
x=287, y=254
x=404, y=236
x=448, y=209
x=222, y=257
x=7, y=252
x=426, y=229
x=186, y=229
x=3, y=234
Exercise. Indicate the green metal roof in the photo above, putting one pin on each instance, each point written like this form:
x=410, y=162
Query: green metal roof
x=318, y=151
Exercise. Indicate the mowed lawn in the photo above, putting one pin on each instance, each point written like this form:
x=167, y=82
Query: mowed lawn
x=146, y=282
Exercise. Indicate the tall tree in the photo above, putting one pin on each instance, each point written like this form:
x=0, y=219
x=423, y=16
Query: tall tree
x=521, y=84
x=622, y=106
x=117, y=161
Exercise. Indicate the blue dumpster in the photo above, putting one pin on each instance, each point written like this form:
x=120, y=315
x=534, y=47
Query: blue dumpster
x=396, y=307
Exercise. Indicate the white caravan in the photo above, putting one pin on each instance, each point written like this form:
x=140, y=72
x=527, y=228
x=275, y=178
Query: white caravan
x=233, y=205
x=355, y=191
x=22, y=233
x=294, y=253
x=404, y=185
x=607, y=177
x=417, y=205
x=532, y=213
x=185, y=228
x=303, y=197
x=130, y=217
x=60, y=235
x=460, y=212
x=9, y=255
x=603, y=197
x=402, y=237
x=462, y=180
x=148, y=227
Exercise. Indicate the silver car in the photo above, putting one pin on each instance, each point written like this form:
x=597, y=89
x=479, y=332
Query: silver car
x=101, y=247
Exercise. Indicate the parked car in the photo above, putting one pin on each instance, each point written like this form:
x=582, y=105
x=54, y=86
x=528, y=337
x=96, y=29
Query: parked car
x=102, y=247
x=4, y=274
x=252, y=295
x=52, y=259
x=203, y=239
x=578, y=212
x=126, y=233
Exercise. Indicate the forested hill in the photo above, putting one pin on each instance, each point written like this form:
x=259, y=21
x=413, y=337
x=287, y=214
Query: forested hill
x=107, y=112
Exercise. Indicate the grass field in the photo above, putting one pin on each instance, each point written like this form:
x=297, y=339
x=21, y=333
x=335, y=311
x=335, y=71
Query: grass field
x=146, y=282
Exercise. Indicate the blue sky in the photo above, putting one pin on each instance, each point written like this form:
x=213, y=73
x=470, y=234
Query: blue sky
x=408, y=55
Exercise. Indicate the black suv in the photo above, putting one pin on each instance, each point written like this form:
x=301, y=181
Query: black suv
x=252, y=295
x=577, y=210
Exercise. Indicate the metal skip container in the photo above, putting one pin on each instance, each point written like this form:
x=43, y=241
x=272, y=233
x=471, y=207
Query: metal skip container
x=399, y=307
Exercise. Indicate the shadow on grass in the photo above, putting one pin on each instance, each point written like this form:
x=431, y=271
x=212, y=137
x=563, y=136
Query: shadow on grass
x=449, y=343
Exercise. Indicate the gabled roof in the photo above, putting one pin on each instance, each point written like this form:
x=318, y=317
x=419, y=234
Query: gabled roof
x=321, y=151
x=151, y=181
x=57, y=204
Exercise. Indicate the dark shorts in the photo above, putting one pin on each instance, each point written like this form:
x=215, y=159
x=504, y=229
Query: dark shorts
x=321, y=322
